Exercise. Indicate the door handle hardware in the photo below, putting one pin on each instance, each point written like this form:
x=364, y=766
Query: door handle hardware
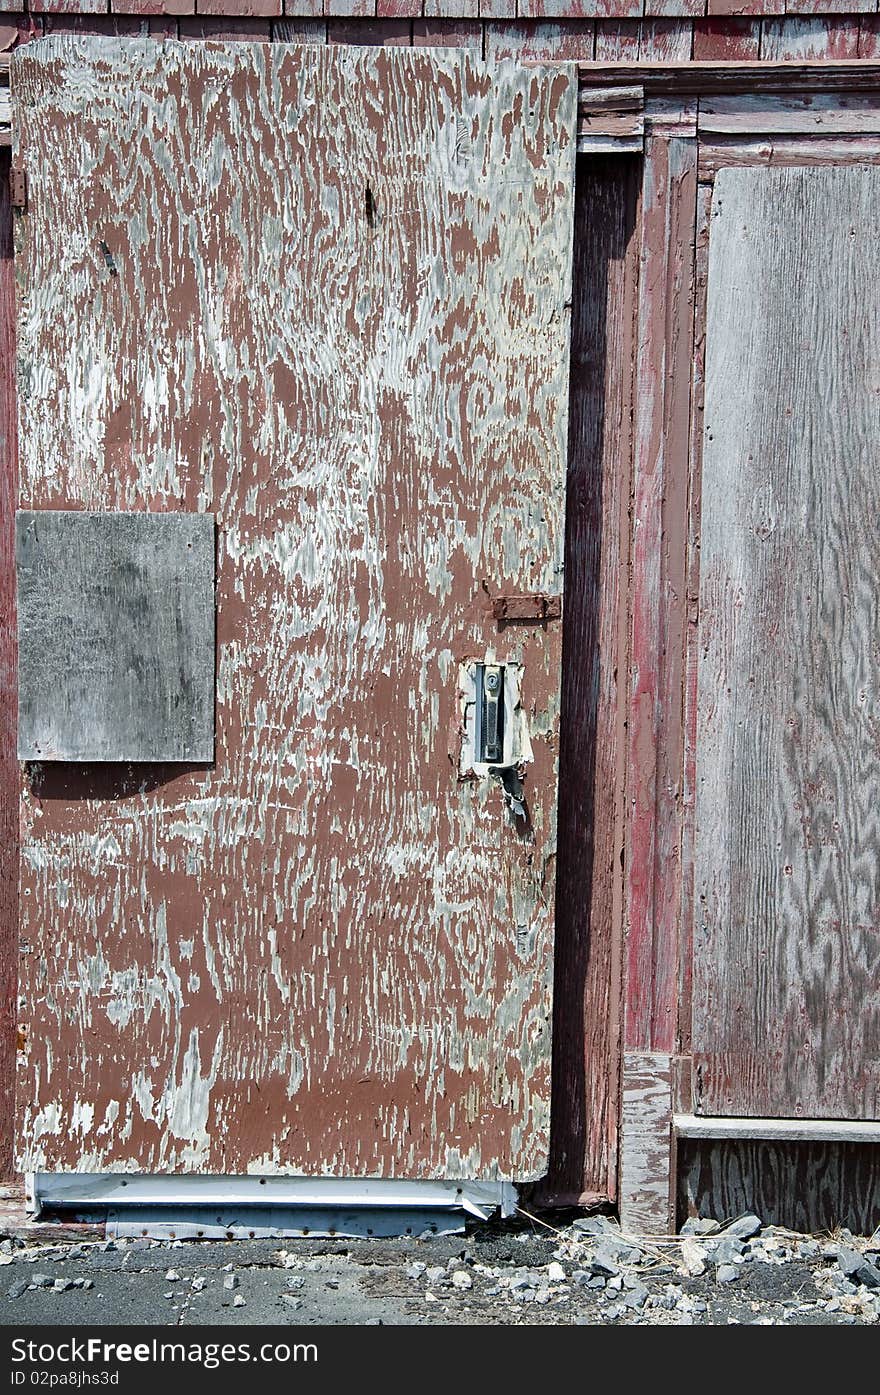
x=494, y=730
x=490, y=713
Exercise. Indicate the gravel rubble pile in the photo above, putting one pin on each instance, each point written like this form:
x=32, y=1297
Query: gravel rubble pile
x=586, y=1272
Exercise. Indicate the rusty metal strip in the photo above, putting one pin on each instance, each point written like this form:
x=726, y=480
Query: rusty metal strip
x=18, y=188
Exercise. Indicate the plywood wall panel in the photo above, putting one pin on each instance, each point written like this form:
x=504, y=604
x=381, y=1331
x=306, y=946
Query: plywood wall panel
x=804, y=1186
x=787, y=883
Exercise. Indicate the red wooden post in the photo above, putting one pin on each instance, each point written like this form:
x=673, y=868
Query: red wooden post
x=657, y=674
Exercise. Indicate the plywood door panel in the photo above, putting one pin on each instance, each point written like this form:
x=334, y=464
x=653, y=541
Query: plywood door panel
x=786, y=1013
x=323, y=294
x=8, y=767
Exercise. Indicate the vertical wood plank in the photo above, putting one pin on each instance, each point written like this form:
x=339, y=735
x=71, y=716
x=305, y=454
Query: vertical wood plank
x=646, y=1143
x=786, y=1012
x=663, y=406
x=684, y=1096
x=658, y=589
x=586, y=1065
x=303, y=9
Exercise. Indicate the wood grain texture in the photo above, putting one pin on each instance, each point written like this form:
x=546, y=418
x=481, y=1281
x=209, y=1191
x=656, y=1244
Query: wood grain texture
x=654, y=734
x=218, y=29
x=842, y=9
x=671, y=117
x=787, y=40
x=586, y=1015
x=300, y=29
x=657, y=623
x=531, y=41
x=9, y=774
x=786, y=1012
x=447, y=9
x=684, y=1098
x=805, y=1186
x=369, y=32
x=783, y=1130
x=675, y=7
x=805, y=114
x=577, y=9
x=720, y=152
x=727, y=40
x=617, y=41
x=441, y=33
x=617, y=66
x=665, y=40
x=646, y=1144
x=869, y=36
x=115, y=636
x=747, y=7
x=341, y=322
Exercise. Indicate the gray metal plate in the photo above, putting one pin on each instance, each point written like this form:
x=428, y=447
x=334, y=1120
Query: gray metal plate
x=116, y=636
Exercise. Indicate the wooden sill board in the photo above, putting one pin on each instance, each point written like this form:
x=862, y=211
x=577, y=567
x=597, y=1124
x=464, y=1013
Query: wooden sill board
x=782, y=1130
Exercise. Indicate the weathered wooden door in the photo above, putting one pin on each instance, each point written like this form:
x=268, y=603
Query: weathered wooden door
x=786, y=986
x=324, y=295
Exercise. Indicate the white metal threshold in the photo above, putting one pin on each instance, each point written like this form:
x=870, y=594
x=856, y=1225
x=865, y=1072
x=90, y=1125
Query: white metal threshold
x=199, y=1207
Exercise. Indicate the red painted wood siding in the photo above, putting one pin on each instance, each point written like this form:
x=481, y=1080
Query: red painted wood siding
x=609, y=30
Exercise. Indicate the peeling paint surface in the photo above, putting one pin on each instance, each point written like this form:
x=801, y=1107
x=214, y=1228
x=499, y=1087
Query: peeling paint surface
x=323, y=294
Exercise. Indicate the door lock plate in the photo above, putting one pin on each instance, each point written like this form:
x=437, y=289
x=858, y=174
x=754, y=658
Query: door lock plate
x=490, y=713
x=494, y=729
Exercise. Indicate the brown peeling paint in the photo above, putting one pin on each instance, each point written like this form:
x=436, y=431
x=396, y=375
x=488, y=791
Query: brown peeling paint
x=9, y=898
x=325, y=953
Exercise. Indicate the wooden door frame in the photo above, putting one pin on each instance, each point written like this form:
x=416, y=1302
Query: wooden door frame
x=768, y=114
